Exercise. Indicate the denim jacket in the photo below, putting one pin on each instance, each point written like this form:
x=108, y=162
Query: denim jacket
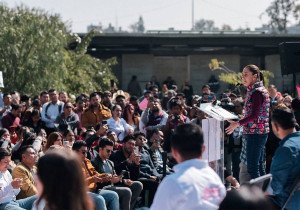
x=285, y=169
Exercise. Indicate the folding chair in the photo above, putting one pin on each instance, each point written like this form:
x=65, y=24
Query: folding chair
x=262, y=182
x=296, y=187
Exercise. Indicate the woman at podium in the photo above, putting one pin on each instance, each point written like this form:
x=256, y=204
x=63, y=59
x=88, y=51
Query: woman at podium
x=255, y=121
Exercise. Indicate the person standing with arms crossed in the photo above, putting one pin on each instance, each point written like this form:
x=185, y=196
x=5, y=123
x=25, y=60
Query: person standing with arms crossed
x=256, y=120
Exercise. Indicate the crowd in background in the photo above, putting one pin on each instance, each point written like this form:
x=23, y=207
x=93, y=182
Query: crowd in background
x=121, y=137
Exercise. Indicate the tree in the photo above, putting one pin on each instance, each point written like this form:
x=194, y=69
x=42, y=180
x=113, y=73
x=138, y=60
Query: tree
x=231, y=77
x=226, y=27
x=279, y=12
x=138, y=27
x=205, y=25
x=86, y=73
x=34, y=54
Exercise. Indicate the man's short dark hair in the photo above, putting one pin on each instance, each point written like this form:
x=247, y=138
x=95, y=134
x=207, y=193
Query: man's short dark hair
x=138, y=133
x=188, y=141
x=4, y=153
x=51, y=91
x=78, y=144
x=105, y=142
x=5, y=95
x=24, y=149
x=205, y=86
x=180, y=94
x=92, y=95
x=153, y=87
x=24, y=98
x=284, y=117
x=173, y=102
x=128, y=138
x=43, y=93
x=106, y=94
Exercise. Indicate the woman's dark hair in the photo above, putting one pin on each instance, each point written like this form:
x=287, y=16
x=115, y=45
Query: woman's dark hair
x=284, y=117
x=35, y=112
x=247, y=198
x=66, y=132
x=3, y=131
x=63, y=182
x=255, y=70
x=125, y=115
x=52, y=138
x=115, y=106
x=4, y=153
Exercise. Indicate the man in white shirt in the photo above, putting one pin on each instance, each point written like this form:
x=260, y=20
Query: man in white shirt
x=9, y=187
x=194, y=185
x=51, y=110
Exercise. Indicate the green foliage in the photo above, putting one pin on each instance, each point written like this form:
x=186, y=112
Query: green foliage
x=34, y=55
x=234, y=78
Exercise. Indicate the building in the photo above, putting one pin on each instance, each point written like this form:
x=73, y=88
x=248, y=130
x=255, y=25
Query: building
x=185, y=55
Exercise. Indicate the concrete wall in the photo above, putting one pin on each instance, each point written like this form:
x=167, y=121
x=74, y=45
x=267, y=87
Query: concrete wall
x=193, y=67
x=200, y=72
x=139, y=65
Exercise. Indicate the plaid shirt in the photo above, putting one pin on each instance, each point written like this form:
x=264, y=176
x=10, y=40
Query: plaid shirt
x=238, y=136
x=243, y=156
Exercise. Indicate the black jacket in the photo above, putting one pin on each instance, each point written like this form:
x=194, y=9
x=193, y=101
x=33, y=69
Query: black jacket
x=121, y=163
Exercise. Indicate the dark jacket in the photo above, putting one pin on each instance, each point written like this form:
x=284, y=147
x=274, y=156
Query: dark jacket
x=147, y=166
x=121, y=163
x=70, y=122
x=98, y=165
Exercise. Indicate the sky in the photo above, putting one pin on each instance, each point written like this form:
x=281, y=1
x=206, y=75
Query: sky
x=157, y=14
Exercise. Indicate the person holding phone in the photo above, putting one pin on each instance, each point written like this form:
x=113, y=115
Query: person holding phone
x=127, y=189
x=10, y=188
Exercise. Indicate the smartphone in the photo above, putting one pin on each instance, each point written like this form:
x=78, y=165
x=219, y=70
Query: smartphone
x=136, y=150
x=66, y=143
x=104, y=122
x=123, y=173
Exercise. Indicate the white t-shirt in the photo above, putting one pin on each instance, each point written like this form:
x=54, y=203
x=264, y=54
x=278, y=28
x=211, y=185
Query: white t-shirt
x=193, y=186
x=7, y=192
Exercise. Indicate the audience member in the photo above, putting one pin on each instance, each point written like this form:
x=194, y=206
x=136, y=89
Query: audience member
x=10, y=187
x=95, y=113
x=285, y=168
x=26, y=170
x=194, y=185
x=127, y=189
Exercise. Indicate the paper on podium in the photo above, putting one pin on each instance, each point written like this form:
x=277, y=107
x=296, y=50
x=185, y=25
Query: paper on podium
x=217, y=112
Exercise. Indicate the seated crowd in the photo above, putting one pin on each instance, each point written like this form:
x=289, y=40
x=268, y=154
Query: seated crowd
x=124, y=146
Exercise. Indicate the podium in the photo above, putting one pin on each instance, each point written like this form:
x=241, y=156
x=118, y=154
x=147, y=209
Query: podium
x=213, y=133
